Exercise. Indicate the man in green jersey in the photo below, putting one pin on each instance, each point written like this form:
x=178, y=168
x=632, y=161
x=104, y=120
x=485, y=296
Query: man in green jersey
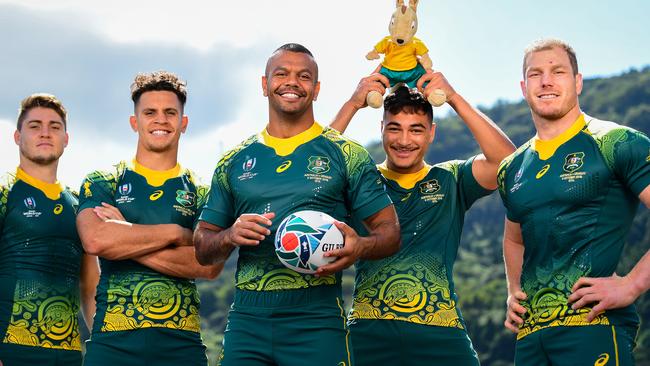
x=571, y=193
x=405, y=308
x=45, y=276
x=138, y=218
x=280, y=316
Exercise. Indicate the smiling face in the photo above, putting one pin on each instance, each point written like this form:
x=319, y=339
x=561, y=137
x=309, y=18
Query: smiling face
x=550, y=86
x=42, y=136
x=159, y=121
x=291, y=83
x=406, y=138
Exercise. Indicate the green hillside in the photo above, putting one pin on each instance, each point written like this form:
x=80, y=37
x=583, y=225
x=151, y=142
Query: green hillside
x=480, y=279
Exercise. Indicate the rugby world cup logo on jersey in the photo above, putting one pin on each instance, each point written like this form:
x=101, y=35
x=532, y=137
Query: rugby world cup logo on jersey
x=249, y=164
x=247, y=167
x=30, y=203
x=125, y=189
x=573, y=162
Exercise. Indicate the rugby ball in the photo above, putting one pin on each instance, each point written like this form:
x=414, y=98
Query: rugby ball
x=303, y=237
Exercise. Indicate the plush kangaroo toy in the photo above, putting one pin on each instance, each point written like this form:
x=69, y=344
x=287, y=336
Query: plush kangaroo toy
x=406, y=58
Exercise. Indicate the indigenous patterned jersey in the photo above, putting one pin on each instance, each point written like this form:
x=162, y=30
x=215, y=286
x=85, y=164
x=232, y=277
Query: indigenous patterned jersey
x=416, y=285
x=131, y=296
x=318, y=169
x=575, y=198
x=40, y=261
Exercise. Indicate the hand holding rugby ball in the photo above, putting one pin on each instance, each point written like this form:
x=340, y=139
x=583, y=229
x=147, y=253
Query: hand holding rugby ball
x=303, y=237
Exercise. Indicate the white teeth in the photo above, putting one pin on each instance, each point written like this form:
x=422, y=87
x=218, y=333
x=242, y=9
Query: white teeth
x=548, y=96
x=290, y=95
x=159, y=132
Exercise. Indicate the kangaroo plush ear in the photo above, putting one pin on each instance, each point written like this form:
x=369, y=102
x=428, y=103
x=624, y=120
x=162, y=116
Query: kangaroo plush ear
x=414, y=4
x=399, y=4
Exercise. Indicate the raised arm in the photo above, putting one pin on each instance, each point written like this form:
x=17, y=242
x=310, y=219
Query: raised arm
x=88, y=279
x=117, y=240
x=613, y=292
x=382, y=241
x=513, y=257
x=494, y=144
x=375, y=82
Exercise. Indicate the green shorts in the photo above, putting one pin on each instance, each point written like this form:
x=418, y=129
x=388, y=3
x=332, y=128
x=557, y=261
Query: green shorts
x=19, y=355
x=287, y=328
x=593, y=345
x=149, y=346
x=408, y=77
x=395, y=342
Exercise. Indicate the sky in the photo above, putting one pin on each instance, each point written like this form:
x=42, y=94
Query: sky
x=87, y=53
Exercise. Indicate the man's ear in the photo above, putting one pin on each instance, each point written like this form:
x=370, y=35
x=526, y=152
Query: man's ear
x=184, y=122
x=134, y=123
x=264, y=87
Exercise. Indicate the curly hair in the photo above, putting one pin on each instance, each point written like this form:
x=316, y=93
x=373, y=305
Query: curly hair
x=158, y=81
x=407, y=100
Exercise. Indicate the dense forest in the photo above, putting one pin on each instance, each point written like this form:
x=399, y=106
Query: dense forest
x=479, y=273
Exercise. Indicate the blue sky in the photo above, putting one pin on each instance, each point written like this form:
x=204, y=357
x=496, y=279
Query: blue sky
x=87, y=53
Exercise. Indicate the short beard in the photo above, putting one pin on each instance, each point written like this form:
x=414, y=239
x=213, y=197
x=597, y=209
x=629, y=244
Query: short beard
x=41, y=160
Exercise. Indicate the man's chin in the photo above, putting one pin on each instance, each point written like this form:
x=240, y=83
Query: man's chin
x=158, y=149
x=43, y=160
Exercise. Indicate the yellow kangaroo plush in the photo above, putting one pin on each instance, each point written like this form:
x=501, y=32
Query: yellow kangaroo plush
x=406, y=58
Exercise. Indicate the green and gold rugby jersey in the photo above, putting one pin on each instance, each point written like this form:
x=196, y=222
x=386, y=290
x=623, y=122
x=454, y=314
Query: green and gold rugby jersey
x=575, y=198
x=416, y=285
x=40, y=262
x=131, y=296
x=318, y=169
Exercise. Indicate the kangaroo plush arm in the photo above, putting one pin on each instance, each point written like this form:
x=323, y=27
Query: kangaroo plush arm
x=425, y=61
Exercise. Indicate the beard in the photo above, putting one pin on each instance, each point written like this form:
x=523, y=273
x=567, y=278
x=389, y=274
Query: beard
x=553, y=113
x=43, y=160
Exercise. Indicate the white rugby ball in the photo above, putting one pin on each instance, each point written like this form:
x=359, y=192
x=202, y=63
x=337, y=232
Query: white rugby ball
x=303, y=237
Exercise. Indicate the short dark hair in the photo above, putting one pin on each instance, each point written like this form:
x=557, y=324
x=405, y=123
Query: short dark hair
x=294, y=47
x=42, y=100
x=291, y=47
x=158, y=81
x=546, y=44
x=407, y=100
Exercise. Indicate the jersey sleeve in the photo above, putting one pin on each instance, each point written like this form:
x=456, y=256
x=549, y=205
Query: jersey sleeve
x=470, y=190
x=365, y=191
x=4, y=196
x=631, y=153
x=420, y=47
x=502, y=174
x=382, y=45
x=96, y=188
x=219, y=206
x=202, y=192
